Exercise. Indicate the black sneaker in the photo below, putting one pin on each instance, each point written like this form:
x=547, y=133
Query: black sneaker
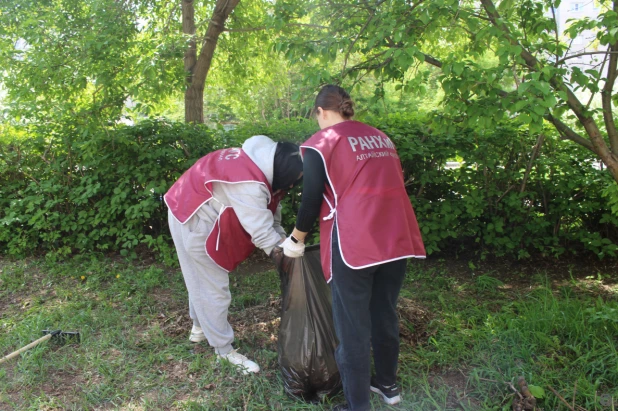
x=390, y=394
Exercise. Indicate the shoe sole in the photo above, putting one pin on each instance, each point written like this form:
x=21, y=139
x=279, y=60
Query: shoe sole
x=389, y=401
x=196, y=339
x=244, y=370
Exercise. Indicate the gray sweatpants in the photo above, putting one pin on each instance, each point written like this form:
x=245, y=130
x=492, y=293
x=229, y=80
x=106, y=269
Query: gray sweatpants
x=207, y=283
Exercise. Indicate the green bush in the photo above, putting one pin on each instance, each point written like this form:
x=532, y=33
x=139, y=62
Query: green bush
x=62, y=190
x=485, y=206
x=62, y=193
x=295, y=131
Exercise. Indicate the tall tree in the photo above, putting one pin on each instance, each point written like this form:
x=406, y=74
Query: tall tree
x=528, y=74
x=81, y=61
x=197, y=67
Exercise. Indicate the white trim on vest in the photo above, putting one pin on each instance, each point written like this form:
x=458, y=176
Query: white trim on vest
x=330, y=278
x=373, y=264
x=188, y=218
x=213, y=197
x=332, y=215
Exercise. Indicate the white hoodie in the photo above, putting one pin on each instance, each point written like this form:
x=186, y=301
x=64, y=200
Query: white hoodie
x=250, y=200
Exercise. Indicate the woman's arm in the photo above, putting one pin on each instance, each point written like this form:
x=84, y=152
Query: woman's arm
x=314, y=180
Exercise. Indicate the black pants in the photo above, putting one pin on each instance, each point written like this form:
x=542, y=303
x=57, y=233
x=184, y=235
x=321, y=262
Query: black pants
x=365, y=316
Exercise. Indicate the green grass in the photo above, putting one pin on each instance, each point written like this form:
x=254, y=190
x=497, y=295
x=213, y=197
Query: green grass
x=467, y=338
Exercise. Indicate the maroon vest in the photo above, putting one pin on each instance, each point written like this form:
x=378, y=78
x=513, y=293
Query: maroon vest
x=366, y=198
x=228, y=244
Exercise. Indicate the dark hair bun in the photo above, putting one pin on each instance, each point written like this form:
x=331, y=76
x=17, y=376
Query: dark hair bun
x=346, y=109
x=335, y=98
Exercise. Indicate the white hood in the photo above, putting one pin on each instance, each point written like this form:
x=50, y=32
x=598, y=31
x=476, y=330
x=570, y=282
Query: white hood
x=261, y=150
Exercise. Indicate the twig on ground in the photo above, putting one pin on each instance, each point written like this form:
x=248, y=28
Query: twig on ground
x=169, y=319
x=560, y=398
x=487, y=380
x=515, y=390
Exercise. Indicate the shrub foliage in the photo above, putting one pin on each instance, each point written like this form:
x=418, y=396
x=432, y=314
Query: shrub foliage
x=514, y=193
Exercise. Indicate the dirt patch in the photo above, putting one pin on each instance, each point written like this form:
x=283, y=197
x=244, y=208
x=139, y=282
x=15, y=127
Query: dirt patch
x=11, y=302
x=13, y=394
x=457, y=382
x=176, y=371
x=59, y=383
x=259, y=323
x=175, y=323
x=173, y=314
x=166, y=299
x=413, y=321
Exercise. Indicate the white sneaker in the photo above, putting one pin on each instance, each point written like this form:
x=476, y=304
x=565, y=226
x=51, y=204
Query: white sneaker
x=197, y=335
x=239, y=360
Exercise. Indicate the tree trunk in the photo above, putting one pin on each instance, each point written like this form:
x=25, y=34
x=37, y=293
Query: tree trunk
x=197, y=67
x=194, y=104
x=611, y=161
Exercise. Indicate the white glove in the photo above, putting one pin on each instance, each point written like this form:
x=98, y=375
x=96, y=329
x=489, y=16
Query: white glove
x=292, y=249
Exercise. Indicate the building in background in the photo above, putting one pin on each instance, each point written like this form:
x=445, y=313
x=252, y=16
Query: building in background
x=586, y=42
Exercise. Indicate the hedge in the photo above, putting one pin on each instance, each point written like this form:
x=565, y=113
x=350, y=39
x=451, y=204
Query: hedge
x=63, y=192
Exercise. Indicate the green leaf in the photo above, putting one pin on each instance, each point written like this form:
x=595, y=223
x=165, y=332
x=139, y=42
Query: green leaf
x=519, y=105
x=425, y=17
x=523, y=87
x=458, y=68
x=536, y=391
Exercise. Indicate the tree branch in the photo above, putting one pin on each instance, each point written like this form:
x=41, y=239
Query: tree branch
x=553, y=13
x=478, y=16
x=169, y=19
x=367, y=66
x=433, y=61
x=223, y=8
x=515, y=77
x=568, y=133
x=347, y=54
x=247, y=29
x=495, y=19
x=535, y=152
x=589, y=53
x=188, y=27
x=599, y=145
x=606, y=96
x=592, y=95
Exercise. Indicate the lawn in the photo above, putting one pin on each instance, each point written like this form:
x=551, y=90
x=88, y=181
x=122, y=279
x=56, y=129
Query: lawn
x=469, y=330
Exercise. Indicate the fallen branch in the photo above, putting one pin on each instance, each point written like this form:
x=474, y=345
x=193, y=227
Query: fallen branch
x=560, y=398
x=515, y=390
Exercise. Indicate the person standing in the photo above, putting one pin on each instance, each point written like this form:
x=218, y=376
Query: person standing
x=220, y=210
x=352, y=179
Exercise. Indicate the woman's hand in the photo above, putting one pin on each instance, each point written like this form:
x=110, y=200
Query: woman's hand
x=293, y=248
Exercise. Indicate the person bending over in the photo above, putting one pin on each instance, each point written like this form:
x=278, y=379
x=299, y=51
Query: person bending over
x=220, y=210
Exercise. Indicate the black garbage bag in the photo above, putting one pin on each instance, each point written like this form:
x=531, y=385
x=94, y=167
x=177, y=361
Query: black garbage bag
x=307, y=338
